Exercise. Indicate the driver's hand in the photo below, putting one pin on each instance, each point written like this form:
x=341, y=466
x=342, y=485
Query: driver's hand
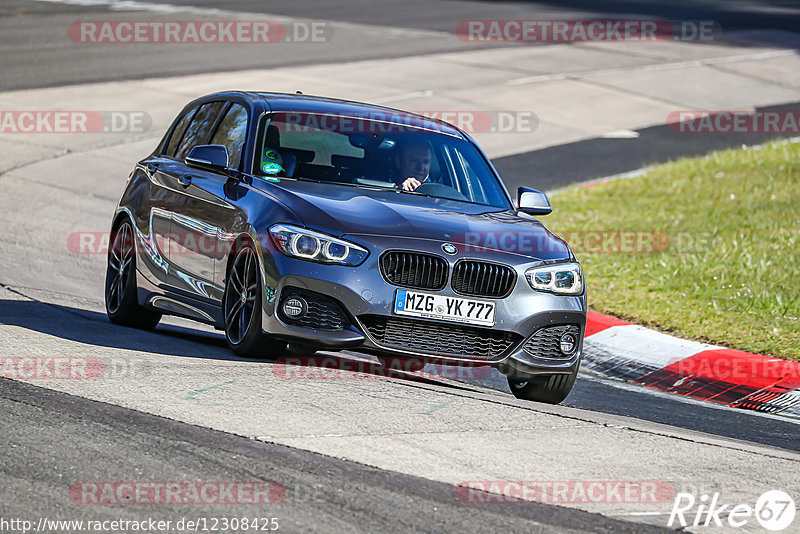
x=410, y=184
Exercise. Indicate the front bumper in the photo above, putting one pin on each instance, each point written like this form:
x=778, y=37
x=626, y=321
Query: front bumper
x=362, y=292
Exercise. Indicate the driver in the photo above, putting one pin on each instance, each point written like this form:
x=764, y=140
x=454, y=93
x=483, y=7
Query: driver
x=414, y=161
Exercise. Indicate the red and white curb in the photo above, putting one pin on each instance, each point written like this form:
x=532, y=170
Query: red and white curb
x=730, y=377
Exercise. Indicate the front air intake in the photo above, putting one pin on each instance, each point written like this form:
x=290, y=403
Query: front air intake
x=414, y=270
x=483, y=279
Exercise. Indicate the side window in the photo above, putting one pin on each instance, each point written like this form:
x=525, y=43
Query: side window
x=231, y=133
x=200, y=128
x=177, y=133
x=469, y=183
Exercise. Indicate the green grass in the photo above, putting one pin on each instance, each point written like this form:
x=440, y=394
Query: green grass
x=731, y=273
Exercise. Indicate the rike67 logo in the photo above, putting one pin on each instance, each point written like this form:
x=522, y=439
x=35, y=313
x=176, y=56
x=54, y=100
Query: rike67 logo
x=774, y=510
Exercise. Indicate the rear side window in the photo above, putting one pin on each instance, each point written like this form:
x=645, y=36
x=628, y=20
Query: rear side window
x=200, y=128
x=231, y=134
x=177, y=133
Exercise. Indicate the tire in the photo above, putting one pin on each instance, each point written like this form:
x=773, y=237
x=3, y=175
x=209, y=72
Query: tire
x=551, y=389
x=241, y=307
x=122, y=306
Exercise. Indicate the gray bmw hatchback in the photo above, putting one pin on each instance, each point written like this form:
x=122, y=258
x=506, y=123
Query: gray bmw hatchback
x=326, y=224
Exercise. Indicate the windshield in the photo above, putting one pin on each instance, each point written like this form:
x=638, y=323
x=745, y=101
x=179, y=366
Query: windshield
x=373, y=153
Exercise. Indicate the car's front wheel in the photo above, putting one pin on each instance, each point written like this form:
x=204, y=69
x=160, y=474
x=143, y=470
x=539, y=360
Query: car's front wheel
x=122, y=306
x=242, y=309
x=551, y=389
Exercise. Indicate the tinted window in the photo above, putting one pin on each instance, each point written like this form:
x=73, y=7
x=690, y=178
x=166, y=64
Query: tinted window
x=376, y=152
x=200, y=128
x=327, y=143
x=231, y=133
x=177, y=133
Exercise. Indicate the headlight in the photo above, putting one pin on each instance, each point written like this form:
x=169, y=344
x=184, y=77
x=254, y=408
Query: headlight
x=562, y=279
x=315, y=246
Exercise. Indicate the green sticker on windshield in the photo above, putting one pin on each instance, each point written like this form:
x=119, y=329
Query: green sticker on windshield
x=271, y=168
x=271, y=154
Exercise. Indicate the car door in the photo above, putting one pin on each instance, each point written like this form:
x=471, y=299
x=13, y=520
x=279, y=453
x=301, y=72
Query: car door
x=157, y=199
x=232, y=133
x=193, y=234
x=204, y=209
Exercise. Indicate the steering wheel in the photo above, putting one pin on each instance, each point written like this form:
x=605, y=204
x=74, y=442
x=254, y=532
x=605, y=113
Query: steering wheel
x=440, y=190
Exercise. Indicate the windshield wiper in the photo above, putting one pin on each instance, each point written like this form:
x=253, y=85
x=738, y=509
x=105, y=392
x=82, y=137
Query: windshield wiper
x=364, y=186
x=420, y=194
x=348, y=184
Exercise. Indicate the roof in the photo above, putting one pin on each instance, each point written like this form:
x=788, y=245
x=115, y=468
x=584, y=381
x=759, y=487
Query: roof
x=319, y=104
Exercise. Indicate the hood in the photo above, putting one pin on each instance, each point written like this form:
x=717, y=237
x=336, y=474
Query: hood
x=346, y=210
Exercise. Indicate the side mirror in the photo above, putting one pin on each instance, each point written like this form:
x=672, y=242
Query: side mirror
x=209, y=157
x=533, y=202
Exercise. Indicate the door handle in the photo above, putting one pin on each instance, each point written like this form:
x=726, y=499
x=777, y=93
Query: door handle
x=185, y=180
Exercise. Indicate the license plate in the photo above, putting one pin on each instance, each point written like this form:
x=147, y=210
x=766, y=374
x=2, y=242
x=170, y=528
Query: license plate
x=434, y=306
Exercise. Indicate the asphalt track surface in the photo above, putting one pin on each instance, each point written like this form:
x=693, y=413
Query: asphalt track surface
x=35, y=55
x=442, y=16
x=121, y=444
x=106, y=442
x=581, y=161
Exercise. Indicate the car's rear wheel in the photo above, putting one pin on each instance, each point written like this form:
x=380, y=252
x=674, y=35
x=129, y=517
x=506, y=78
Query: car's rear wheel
x=242, y=309
x=122, y=306
x=551, y=389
